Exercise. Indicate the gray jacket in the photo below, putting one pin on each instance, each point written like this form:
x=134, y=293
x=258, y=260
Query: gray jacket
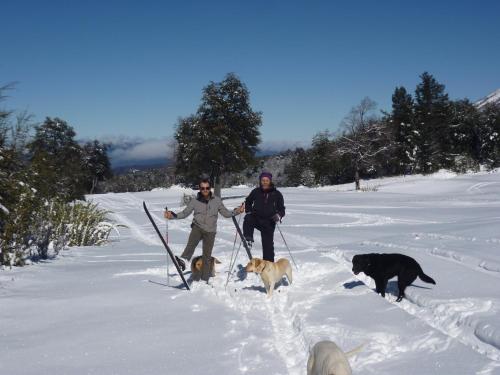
x=206, y=212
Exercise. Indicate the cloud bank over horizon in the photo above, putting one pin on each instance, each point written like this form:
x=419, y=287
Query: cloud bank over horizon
x=126, y=150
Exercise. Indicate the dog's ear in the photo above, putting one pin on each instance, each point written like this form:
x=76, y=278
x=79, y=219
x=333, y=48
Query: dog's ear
x=217, y=261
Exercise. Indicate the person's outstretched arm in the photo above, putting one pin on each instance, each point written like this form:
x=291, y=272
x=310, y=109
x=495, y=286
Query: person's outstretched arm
x=227, y=213
x=185, y=212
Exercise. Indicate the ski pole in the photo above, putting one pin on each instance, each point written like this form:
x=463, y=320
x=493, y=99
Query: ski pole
x=231, y=266
x=166, y=239
x=234, y=243
x=232, y=253
x=291, y=256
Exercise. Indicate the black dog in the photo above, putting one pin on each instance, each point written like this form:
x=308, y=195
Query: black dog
x=383, y=267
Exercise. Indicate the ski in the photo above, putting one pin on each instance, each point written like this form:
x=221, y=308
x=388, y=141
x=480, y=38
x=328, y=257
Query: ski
x=245, y=244
x=169, y=251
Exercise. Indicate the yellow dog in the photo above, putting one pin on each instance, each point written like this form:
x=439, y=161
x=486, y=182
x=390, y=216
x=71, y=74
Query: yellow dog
x=270, y=272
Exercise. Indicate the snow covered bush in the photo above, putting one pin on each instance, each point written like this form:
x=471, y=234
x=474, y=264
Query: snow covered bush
x=368, y=188
x=40, y=231
x=79, y=224
x=15, y=235
x=464, y=164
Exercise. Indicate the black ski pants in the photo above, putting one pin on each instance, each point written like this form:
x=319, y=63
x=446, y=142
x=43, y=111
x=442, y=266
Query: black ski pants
x=266, y=228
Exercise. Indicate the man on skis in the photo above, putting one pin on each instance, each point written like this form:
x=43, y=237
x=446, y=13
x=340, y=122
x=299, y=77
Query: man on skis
x=265, y=208
x=206, y=209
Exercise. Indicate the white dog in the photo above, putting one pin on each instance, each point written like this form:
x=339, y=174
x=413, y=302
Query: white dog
x=326, y=358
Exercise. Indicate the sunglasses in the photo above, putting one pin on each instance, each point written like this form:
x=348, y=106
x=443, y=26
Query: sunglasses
x=204, y=187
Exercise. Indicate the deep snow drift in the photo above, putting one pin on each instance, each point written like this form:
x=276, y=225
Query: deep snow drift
x=107, y=311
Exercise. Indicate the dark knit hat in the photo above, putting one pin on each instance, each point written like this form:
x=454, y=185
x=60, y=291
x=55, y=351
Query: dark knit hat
x=266, y=174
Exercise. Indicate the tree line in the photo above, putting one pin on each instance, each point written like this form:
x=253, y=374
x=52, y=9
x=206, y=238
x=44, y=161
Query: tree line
x=423, y=133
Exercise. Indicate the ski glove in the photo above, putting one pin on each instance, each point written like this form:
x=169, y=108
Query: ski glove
x=181, y=263
x=276, y=218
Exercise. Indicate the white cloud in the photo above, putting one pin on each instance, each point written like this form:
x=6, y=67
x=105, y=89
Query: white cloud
x=142, y=150
x=129, y=150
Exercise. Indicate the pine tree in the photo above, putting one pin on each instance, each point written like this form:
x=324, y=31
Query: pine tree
x=298, y=171
x=223, y=135
x=405, y=134
x=192, y=151
x=489, y=135
x=56, y=161
x=464, y=135
x=432, y=113
x=322, y=157
x=96, y=164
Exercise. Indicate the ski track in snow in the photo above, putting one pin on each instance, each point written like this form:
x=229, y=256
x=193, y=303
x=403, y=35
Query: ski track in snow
x=476, y=188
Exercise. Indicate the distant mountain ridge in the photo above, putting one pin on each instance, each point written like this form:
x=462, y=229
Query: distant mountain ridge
x=142, y=166
x=493, y=98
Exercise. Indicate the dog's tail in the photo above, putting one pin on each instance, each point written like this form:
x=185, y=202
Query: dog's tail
x=425, y=278
x=355, y=350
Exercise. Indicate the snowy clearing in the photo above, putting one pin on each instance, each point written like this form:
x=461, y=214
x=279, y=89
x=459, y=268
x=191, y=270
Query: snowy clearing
x=108, y=310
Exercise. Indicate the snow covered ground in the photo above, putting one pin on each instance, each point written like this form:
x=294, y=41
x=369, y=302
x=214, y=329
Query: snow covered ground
x=107, y=310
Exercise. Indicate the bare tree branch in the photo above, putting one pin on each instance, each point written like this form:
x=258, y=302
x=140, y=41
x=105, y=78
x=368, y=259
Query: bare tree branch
x=364, y=136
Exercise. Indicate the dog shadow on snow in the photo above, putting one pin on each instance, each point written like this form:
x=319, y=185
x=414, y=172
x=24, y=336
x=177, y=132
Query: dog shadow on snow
x=259, y=288
x=392, y=286
x=241, y=274
x=353, y=284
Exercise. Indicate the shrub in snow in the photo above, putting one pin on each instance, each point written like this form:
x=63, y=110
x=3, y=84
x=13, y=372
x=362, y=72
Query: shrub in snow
x=370, y=188
x=15, y=235
x=307, y=178
x=41, y=231
x=79, y=224
x=464, y=164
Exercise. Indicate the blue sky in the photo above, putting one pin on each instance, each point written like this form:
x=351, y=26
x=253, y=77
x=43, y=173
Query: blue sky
x=129, y=69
